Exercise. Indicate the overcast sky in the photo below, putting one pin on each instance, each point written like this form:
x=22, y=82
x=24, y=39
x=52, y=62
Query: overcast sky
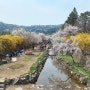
x=43, y=12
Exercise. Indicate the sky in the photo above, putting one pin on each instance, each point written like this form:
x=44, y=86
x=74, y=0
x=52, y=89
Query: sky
x=39, y=12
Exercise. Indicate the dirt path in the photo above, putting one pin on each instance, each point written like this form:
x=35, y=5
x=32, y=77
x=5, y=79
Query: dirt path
x=20, y=67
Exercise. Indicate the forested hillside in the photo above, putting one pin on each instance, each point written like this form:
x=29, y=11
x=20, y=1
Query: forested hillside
x=47, y=29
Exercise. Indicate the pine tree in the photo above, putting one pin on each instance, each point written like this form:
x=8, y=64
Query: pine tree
x=72, y=17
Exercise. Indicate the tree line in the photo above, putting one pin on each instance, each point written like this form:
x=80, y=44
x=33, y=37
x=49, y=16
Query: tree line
x=20, y=39
x=82, y=21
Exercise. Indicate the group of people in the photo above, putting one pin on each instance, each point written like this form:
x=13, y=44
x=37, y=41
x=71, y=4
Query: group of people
x=15, y=53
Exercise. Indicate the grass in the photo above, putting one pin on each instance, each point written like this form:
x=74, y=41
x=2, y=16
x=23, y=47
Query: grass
x=67, y=58
x=76, y=67
x=27, y=57
x=33, y=67
x=16, y=66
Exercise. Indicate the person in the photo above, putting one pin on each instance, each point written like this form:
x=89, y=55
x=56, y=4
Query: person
x=8, y=57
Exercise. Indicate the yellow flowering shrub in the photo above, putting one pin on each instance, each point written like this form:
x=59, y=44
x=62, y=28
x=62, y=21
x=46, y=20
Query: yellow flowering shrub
x=10, y=42
x=66, y=38
x=83, y=41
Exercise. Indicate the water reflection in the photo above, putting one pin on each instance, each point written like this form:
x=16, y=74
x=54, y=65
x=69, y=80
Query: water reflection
x=54, y=74
x=57, y=65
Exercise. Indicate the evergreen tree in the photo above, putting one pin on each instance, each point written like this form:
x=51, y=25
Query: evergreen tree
x=72, y=17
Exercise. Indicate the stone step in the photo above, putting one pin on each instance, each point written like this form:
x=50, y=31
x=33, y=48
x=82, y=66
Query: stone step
x=2, y=80
x=2, y=85
x=2, y=89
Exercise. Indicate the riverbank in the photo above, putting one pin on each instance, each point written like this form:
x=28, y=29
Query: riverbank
x=78, y=71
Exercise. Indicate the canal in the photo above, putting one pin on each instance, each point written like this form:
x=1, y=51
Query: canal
x=54, y=77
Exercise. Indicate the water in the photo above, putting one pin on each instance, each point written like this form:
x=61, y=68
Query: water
x=53, y=75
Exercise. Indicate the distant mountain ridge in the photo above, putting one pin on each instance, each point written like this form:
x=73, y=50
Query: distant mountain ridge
x=47, y=29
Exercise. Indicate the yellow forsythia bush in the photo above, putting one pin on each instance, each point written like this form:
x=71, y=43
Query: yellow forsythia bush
x=66, y=38
x=10, y=42
x=83, y=41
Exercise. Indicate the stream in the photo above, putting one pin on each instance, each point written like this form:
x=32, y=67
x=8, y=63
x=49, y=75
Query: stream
x=54, y=77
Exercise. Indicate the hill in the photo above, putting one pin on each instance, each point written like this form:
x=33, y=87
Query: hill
x=47, y=29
